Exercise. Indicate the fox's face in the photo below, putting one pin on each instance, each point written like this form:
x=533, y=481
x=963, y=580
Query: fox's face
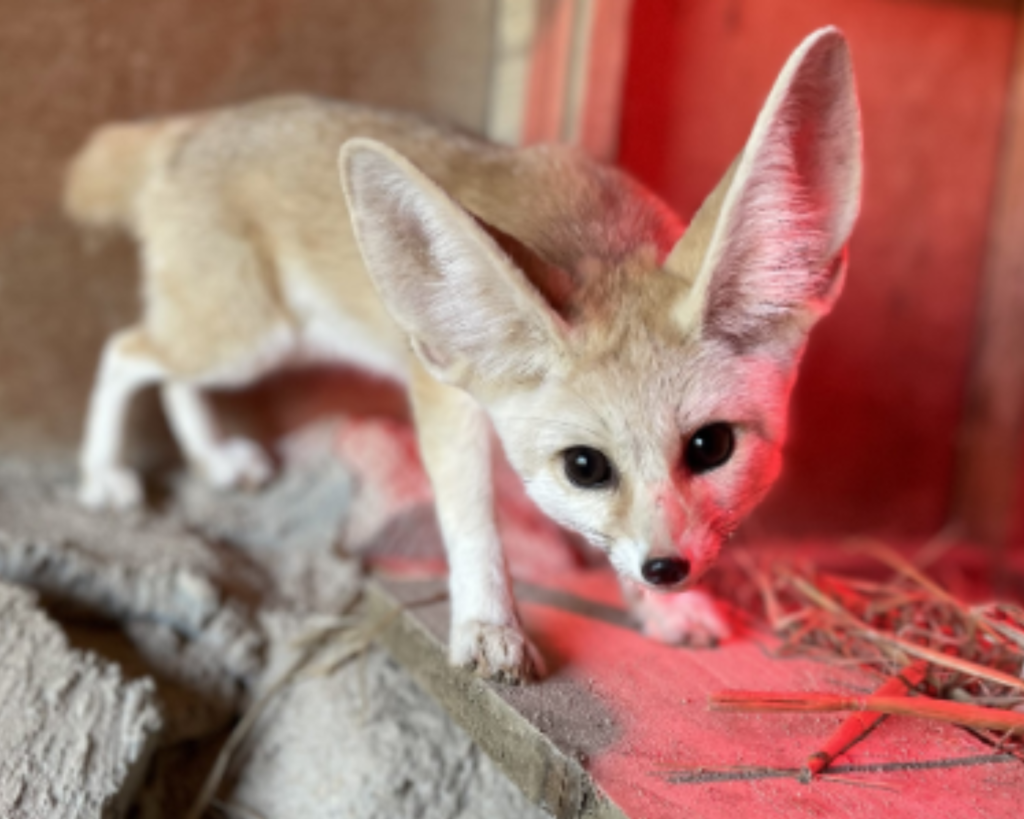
x=654, y=452
x=646, y=412
x=656, y=432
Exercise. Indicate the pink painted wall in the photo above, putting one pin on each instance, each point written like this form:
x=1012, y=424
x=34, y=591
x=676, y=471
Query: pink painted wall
x=880, y=400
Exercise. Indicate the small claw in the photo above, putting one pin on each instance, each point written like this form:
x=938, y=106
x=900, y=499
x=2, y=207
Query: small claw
x=498, y=653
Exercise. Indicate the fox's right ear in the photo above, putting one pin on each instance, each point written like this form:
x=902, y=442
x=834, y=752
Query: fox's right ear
x=470, y=313
x=765, y=254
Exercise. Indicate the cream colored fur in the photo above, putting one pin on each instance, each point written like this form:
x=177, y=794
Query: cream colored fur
x=546, y=299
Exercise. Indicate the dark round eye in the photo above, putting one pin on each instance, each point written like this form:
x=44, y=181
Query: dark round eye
x=709, y=447
x=587, y=468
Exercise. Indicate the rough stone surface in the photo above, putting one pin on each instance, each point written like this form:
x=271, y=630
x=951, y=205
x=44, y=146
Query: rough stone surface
x=122, y=567
x=291, y=529
x=141, y=591
x=365, y=743
x=75, y=736
x=203, y=604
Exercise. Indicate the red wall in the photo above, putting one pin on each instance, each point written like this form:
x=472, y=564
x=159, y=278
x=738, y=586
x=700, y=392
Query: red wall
x=880, y=398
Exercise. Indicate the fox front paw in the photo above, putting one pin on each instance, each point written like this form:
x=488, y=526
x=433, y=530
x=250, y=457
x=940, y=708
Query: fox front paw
x=114, y=488
x=237, y=463
x=498, y=653
x=691, y=618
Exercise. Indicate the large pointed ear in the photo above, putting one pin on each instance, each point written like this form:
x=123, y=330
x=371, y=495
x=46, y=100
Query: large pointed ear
x=765, y=254
x=470, y=314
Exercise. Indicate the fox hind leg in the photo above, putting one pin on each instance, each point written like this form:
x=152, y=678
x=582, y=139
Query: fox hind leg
x=226, y=464
x=128, y=364
x=216, y=315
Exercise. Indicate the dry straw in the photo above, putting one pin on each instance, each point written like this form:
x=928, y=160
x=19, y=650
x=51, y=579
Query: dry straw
x=942, y=659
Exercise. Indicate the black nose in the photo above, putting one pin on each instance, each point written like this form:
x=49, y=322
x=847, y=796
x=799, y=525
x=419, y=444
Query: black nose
x=665, y=571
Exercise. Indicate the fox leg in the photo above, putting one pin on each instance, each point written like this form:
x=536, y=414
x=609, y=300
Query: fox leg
x=454, y=439
x=128, y=364
x=235, y=462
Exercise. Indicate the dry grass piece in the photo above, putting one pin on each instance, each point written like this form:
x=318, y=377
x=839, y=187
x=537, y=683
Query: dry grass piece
x=973, y=655
x=857, y=726
x=970, y=716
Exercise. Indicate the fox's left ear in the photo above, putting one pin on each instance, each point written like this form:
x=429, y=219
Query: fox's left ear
x=766, y=251
x=469, y=312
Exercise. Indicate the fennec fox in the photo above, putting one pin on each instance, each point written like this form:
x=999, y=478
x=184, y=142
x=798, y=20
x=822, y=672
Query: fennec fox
x=636, y=375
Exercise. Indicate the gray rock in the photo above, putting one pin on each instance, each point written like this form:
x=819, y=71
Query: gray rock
x=76, y=737
x=116, y=566
x=364, y=742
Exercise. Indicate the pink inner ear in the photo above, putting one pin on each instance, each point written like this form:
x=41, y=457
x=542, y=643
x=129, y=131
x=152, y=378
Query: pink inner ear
x=798, y=200
x=811, y=122
x=808, y=162
x=826, y=143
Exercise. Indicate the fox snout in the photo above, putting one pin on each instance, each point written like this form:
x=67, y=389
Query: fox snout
x=666, y=565
x=675, y=568
x=675, y=553
x=665, y=571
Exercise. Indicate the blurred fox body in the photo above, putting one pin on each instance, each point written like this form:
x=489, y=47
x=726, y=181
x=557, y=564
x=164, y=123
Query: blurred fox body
x=636, y=374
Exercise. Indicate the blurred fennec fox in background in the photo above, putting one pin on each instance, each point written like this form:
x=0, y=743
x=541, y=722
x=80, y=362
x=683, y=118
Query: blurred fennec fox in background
x=636, y=375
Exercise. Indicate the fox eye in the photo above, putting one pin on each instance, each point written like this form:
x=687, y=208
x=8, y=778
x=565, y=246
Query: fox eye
x=587, y=468
x=709, y=447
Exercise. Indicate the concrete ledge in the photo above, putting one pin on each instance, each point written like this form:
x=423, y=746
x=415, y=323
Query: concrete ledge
x=547, y=776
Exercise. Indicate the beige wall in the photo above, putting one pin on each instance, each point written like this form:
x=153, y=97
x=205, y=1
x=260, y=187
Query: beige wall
x=66, y=66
